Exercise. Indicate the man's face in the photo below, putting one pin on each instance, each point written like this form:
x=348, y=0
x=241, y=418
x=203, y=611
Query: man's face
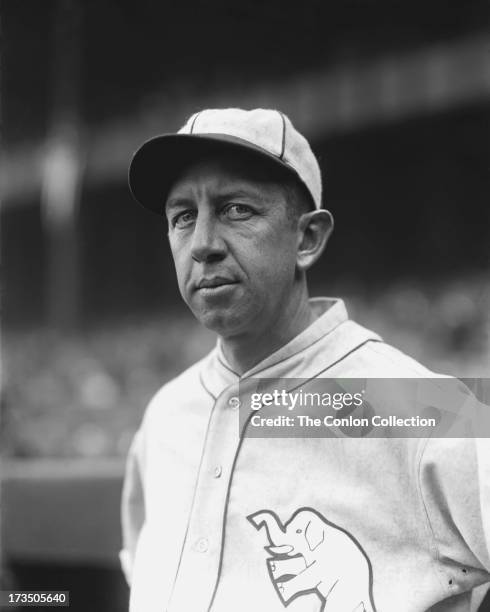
x=233, y=244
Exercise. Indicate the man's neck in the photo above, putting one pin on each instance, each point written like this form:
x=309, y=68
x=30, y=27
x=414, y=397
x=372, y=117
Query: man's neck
x=244, y=351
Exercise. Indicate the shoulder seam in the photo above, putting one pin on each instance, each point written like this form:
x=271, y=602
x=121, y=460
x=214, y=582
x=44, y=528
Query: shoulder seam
x=398, y=362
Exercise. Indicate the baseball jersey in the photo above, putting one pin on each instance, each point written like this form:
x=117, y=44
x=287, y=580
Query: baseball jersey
x=210, y=517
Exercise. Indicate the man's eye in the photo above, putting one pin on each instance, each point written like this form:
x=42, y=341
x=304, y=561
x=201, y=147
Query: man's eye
x=237, y=212
x=184, y=219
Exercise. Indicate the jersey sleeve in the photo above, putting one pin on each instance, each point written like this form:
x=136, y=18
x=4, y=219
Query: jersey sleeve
x=132, y=505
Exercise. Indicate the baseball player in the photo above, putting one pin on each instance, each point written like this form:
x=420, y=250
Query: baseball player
x=217, y=521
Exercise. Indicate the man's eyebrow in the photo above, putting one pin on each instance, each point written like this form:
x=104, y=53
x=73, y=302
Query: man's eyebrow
x=238, y=193
x=223, y=195
x=176, y=202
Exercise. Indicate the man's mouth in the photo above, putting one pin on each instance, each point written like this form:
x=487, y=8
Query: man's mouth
x=215, y=282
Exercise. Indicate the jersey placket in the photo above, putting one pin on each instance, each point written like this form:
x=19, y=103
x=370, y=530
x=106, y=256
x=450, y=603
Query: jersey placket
x=199, y=566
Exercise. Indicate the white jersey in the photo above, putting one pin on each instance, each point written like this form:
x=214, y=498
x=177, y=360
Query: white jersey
x=385, y=524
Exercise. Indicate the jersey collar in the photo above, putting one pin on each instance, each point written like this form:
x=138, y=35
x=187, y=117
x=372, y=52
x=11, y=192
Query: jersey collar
x=217, y=374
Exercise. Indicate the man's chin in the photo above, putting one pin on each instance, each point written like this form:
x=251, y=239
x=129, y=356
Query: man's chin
x=223, y=322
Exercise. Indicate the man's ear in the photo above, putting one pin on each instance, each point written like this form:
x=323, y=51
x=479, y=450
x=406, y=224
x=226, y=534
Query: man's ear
x=314, y=229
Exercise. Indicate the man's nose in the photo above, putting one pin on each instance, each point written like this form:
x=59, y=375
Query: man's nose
x=207, y=244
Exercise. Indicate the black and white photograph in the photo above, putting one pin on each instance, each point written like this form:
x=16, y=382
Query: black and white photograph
x=245, y=306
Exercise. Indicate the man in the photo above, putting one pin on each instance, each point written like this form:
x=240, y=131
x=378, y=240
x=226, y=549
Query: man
x=347, y=524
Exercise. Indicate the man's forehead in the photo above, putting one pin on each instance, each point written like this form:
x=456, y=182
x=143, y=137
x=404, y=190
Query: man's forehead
x=224, y=172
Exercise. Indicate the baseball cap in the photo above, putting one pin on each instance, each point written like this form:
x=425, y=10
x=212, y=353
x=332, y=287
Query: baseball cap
x=263, y=132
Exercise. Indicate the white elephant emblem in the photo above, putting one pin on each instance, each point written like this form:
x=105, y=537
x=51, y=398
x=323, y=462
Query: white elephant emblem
x=312, y=555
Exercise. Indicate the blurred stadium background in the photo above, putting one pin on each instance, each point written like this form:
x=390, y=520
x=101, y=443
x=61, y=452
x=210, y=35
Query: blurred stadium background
x=394, y=99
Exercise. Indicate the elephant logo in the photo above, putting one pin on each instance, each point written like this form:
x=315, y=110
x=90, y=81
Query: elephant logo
x=312, y=555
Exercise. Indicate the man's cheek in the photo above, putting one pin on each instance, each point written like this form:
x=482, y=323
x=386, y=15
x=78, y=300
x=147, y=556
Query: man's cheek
x=272, y=245
x=268, y=263
x=182, y=271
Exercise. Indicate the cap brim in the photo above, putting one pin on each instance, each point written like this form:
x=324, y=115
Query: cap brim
x=159, y=161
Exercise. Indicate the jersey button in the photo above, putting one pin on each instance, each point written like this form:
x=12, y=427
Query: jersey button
x=202, y=545
x=234, y=402
x=218, y=470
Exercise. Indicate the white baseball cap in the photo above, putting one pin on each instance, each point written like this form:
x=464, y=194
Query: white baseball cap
x=266, y=132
